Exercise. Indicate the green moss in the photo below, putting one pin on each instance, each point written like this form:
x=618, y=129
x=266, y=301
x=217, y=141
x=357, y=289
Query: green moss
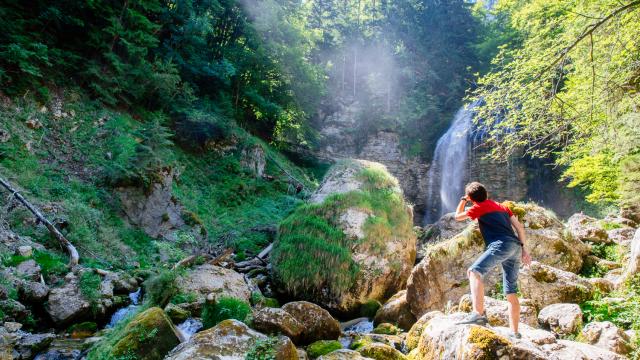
x=90, y=287
x=487, y=341
x=387, y=329
x=82, y=330
x=378, y=351
x=360, y=342
x=257, y=299
x=370, y=308
x=312, y=254
x=517, y=210
x=224, y=308
x=323, y=347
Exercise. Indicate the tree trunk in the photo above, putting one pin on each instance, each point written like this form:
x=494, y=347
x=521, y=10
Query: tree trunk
x=74, y=257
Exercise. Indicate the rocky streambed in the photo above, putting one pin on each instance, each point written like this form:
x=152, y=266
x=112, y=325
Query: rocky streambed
x=412, y=317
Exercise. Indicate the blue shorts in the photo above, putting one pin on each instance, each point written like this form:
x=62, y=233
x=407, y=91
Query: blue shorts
x=508, y=254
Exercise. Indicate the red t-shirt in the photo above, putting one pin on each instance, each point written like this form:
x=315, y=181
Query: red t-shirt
x=494, y=221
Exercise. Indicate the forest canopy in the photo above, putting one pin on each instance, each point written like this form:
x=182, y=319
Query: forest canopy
x=567, y=88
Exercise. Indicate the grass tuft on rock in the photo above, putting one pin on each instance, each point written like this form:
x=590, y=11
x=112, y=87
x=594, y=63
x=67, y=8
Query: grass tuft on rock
x=312, y=253
x=224, y=308
x=323, y=347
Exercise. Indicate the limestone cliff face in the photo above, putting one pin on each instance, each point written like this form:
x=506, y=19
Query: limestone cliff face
x=341, y=139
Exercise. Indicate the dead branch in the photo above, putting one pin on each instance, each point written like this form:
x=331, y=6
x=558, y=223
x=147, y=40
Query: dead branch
x=74, y=257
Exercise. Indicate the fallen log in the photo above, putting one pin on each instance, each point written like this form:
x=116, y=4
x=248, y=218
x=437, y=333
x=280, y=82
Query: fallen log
x=74, y=257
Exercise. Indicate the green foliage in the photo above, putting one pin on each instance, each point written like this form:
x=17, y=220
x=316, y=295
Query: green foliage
x=611, y=252
x=181, y=298
x=323, y=347
x=259, y=299
x=547, y=92
x=224, y=308
x=386, y=329
x=621, y=307
x=90, y=286
x=263, y=350
x=160, y=288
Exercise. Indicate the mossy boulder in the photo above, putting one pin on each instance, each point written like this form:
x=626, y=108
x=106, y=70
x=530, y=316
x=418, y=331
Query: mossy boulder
x=176, y=313
x=149, y=336
x=322, y=347
x=343, y=354
x=396, y=310
x=546, y=285
x=317, y=323
x=386, y=329
x=353, y=243
x=379, y=351
x=275, y=320
x=233, y=340
x=414, y=334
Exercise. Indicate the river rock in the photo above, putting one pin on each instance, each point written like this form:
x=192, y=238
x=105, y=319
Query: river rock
x=209, y=279
x=149, y=336
x=176, y=313
x=14, y=310
x=397, y=311
x=229, y=340
x=497, y=311
x=573, y=350
x=275, y=320
x=443, y=339
x=33, y=291
x=414, y=334
x=343, y=354
x=379, y=351
x=379, y=246
x=562, y=319
x=608, y=336
x=25, y=250
x=27, y=345
x=66, y=304
x=621, y=236
x=317, y=323
x=586, y=228
x=546, y=285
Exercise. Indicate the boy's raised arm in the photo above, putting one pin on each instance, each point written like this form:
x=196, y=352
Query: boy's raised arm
x=461, y=215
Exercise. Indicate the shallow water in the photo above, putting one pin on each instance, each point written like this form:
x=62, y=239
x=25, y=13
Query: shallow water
x=125, y=311
x=189, y=328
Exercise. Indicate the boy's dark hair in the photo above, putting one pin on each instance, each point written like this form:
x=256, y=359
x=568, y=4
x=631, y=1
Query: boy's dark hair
x=476, y=191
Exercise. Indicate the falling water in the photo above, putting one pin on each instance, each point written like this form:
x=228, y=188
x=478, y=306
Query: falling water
x=125, y=311
x=189, y=328
x=448, y=170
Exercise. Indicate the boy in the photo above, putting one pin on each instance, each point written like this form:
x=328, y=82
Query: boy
x=502, y=247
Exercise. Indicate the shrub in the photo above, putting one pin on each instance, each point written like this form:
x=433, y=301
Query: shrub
x=90, y=287
x=181, y=298
x=222, y=309
x=323, y=347
x=160, y=288
x=263, y=350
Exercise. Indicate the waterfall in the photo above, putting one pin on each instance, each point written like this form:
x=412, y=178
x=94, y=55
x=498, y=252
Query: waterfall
x=448, y=171
x=127, y=310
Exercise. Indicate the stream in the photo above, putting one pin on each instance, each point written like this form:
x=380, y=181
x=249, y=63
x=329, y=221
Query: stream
x=125, y=311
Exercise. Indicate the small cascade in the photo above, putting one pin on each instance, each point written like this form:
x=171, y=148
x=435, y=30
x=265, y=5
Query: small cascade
x=125, y=311
x=189, y=328
x=353, y=328
x=448, y=171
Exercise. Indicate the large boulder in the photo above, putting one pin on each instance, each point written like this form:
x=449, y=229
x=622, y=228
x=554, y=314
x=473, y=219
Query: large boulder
x=210, y=279
x=317, y=323
x=441, y=338
x=586, y=228
x=230, y=340
x=497, y=311
x=441, y=276
x=343, y=354
x=379, y=351
x=149, y=336
x=546, y=285
x=396, y=311
x=562, y=319
x=415, y=333
x=66, y=304
x=352, y=244
x=275, y=320
x=633, y=264
x=608, y=336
